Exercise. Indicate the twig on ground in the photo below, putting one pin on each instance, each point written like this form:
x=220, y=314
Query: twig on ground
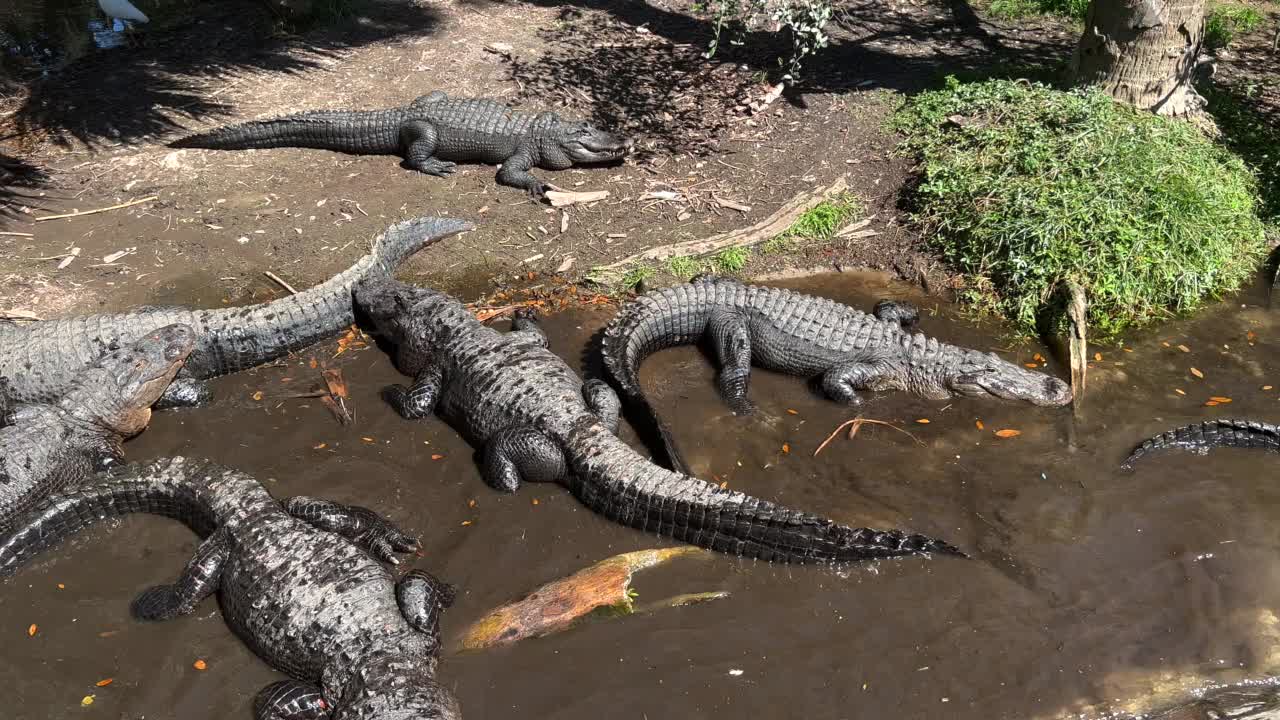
x=856, y=424
x=280, y=282
x=78, y=213
x=18, y=234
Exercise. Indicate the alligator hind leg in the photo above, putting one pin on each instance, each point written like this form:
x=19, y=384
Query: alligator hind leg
x=418, y=400
x=361, y=526
x=904, y=313
x=421, y=596
x=525, y=320
x=521, y=453
x=602, y=400
x=184, y=392
x=842, y=382
x=418, y=138
x=290, y=700
x=198, y=581
x=731, y=337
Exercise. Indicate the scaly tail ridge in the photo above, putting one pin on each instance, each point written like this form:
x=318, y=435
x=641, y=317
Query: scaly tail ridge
x=374, y=132
x=1204, y=436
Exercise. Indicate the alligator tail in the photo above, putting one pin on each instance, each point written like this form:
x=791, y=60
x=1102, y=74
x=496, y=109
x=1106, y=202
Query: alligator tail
x=1204, y=436
x=615, y=481
x=298, y=321
x=174, y=488
x=375, y=132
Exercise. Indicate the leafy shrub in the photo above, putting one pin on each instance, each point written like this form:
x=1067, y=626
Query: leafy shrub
x=1025, y=187
x=1223, y=22
x=804, y=20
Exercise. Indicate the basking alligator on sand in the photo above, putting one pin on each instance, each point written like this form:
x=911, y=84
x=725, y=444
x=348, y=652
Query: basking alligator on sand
x=50, y=447
x=40, y=361
x=1202, y=437
x=535, y=420
x=298, y=582
x=844, y=349
x=431, y=133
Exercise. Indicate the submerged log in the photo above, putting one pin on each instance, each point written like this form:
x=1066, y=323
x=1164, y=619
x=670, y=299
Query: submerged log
x=603, y=588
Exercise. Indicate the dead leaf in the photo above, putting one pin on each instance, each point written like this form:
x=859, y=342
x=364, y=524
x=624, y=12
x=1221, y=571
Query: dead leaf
x=792, y=412
x=1266, y=387
x=1180, y=391
x=466, y=523
x=1251, y=336
x=923, y=421
x=1220, y=399
x=437, y=457
x=313, y=363
x=1184, y=348
x=108, y=633
x=86, y=701
x=257, y=395
x=200, y=664
x=105, y=682
x=535, y=501
x=1197, y=373
x=1097, y=357
x=31, y=631
x=335, y=382
x=321, y=446
x=786, y=447
x=367, y=439
x=1008, y=433
x=566, y=265
x=979, y=424
x=1031, y=365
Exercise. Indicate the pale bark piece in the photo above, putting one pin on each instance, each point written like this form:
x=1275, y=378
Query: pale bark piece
x=561, y=198
x=1143, y=52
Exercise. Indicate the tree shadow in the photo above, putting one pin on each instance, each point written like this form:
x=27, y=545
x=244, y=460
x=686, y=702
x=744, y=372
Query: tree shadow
x=126, y=95
x=18, y=180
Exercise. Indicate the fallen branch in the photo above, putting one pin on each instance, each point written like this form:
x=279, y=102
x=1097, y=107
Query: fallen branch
x=280, y=282
x=78, y=213
x=554, y=607
x=16, y=315
x=767, y=229
x=855, y=425
x=1079, y=349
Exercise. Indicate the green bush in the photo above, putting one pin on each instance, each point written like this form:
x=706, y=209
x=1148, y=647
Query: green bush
x=1025, y=8
x=1223, y=22
x=1025, y=187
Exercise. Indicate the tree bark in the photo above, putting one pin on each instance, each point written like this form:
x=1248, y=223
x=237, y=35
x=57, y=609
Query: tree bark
x=1143, y=52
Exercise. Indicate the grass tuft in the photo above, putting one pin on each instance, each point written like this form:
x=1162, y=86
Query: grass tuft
x=1014, y=9
x=731, y=259
x=1026, y=187
x=685, y=267
x=1223, y=22
x=816, y=224
x=636, y=275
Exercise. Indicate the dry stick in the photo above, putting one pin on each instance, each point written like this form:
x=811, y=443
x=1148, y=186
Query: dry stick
x=769, y=228
x=18, y=234
x=78, y=213
x=1079, y=348
x=857, y=423
x=282, y=283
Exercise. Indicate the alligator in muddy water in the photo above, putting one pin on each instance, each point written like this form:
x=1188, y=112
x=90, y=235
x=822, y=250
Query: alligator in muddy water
x=845, y=350
x=1202, y=437
x=535, y=420
x=431, y=134
x=297, y=581
x=42, y=360
x=46, y=448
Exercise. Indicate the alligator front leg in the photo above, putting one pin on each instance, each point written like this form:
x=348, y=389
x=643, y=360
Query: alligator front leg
x=361, y=526
x=184, y=392
x=521, y=453
x=525, y=320
x=731, y=337
x=602, y=400
x=290, y=700
x=421, y=597
x=199, y=580
x=104, y=455
x=901, y=312
x=515, y=173
x=418, y=138
x=418, y=400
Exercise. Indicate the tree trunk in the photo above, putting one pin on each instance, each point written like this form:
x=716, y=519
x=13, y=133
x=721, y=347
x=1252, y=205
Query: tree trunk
x=1143, y=52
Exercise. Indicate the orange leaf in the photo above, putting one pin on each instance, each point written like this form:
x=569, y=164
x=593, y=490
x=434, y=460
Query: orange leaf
x=257, y=395
x=979, y=424
x=466, y=523
x=200, y=664
x=786, y=447
x=367, y=439
x=1008, y=433
x=1031, y=365
x=86, y=701
x=108, y=633
x=61, y=586
x=1220, y=399
x=724, y=484
x=471, y=502
x=437, y=457
x=1251, y=335
x=1180, y=391
x=535, y=501
x=923, y=421
x=313, y=363
x=1097, y=357
x=792, y=412
x=1127, y=350
x=1038, y=357
x=31, y=631
x=1211, y=403
x=321, y=446
x=105, y=682
x=1184, y=348
x=1197, y=373
x=337, y=386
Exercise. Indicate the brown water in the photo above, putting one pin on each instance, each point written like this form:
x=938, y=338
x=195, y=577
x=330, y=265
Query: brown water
x=1089, y=590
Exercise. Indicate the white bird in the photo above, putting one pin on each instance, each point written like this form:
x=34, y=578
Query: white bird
x=122, y=9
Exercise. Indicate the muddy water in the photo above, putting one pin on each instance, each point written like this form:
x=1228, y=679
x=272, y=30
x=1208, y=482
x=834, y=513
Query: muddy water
x=1088, y=591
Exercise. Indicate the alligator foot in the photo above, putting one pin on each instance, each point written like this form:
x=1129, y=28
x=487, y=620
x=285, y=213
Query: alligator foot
x=361, y=526
x=438, y=168
x=841, y=382
x=525, y=320
x=602, y=400
x=421, y=597
x=290, y=700
x=521, y=453
x=730, y=334
x=904, y=313
x=419, y=400
x=184, y=392
x=198, y=581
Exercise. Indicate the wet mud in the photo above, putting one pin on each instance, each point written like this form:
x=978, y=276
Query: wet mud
x=1089, y=591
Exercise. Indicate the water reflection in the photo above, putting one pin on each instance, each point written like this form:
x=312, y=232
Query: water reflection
x=54, y=33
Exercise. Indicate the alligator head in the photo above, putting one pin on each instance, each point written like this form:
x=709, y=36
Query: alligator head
x=584, y=143
x=987, y=374
x=130, y=379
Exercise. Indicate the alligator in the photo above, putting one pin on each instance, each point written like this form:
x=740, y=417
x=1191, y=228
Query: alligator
x=842, y=349
x=1202, y=437
x=535, y=420
x=40, y=361
x=299, y=582
x=433, y=132
x=46, y=448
